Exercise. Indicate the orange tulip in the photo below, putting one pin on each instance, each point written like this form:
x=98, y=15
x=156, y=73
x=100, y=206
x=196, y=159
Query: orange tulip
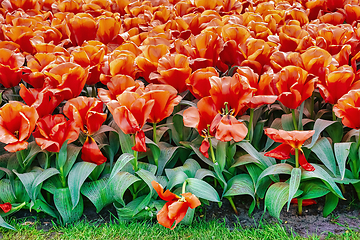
x=10, y=67
x=228, y=128
x=352, y=13
x=176, y=207
x=338, y=83
x=6, y=207
x=90, y=152
x=43, y=100
x=108, y=29
x=36, y=64
x=295, y=85
x=82, y=27
x=53, y=130
x=17, y=122
x=199, y=81
x=117, y=85
x=68, y=78
x=130, y=113
x=290, y=37
x=348, y=109
x=290, y=140
x=165, y=99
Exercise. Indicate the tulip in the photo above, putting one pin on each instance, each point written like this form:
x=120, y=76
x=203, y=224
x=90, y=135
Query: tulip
x=17, y=122
x=10, y=67
x=6, y=207
x=348, y=109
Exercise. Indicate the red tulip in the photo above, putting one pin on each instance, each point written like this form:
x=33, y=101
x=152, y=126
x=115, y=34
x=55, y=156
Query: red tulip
x=6, y=207
x=10, y=67
x=348, y=108
x=176, y=207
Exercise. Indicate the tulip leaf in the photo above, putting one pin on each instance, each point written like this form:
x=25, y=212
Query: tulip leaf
x=342, y=151
x=258, y=133
x=197, y=152
x=276, y=197
x=335, y=131
x=27, y=180
x=280, y=168
x=126, y=142
x=120, y=183
x=37, y=183
x=147, y=177
x=265, y=161
x=331, y=201
x=11, y=180
x=98, y=193
x=41, y=206
x=177, y=179
x=167, y=153
x=319, y=126
x=245, y=159
x=124, y=159
x=5, y=224
x=190, y=168
x=72, y=154
x=313, y=189
x=293, y=184
x=148, y=167
x=241, y=184
x=324, y=152
x=202, y=173
x=287, y=122
x=154, y=149
x=276, y=124
x=77, y=177
x=320, y=173
x=63, y=203
x=130, y=212
x=221, y=154
x=202, y=189
x=254, y=172
x=62, y=156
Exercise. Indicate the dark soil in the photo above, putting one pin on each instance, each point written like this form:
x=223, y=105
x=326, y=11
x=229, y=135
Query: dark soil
x=346, y=216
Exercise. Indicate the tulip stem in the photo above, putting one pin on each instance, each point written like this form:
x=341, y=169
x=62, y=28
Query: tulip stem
x=250, y=127
x=233, y=205
x=135, y=157
x=297, y=158
x=294, y=119
x=154, y=132
x=212, y=151
x=62, y=177
x=300, y=207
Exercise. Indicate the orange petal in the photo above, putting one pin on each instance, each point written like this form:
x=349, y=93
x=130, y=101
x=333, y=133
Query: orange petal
x=91, y=153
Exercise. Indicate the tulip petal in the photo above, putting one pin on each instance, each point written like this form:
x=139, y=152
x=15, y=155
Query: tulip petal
x=192, y=200
x=204, y=147
x=6, y=207
x=281, y=152
x=91, y=152
x=167, y=195
x=163, y=216
x=140, y=145
x=304, y=163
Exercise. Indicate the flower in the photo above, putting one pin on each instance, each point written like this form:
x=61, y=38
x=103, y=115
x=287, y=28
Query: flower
x=290, y=140
x=176, y=207
x=6, y=207
x=17, y=122
x=295, y=85
x=199, y=81
x=348, y=108
x=53, y=130
x=10, y=67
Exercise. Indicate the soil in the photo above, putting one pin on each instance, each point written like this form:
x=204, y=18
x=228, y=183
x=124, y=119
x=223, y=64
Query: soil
x=346, y=216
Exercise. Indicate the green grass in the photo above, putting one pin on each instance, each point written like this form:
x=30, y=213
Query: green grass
x=147, y=230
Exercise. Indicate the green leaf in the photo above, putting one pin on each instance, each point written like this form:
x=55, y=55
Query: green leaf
x=221, y=154
x=148, y=167
x=168, y=152
x=120, y=183
x=276, y=197
x=323, y=175
x=41, y=206
x=241, y=184
x=62, y=155
x=319, y=126
x=37, y=183
x=63, y=203
x=6, y=225
x=280, y=168
x=126, y=142
x=331, y=201
x=324, y=151
x=190, y=168
x=202, y=189
x=77, y=177
x=198, y=153
x=124, y=159
x=335, y=131
x=342, y=151
x=11, y=179
x=313, y=189
x=28, y=154
x=294, y=184
x=245, y=159
x=258, y=133
x=72, y=154
x=202, y=173
x=98, y=193
x=266, y=161
x=287, y=122
x=177, y=179
x=154, y=149
x=27, y=180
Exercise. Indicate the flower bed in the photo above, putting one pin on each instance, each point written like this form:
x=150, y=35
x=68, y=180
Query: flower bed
x=115, y=100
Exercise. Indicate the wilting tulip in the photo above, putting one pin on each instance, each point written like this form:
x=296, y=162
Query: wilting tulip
x=17, y=122
x=348, y=109
x=6, y=207
x=43, y=100
x=88, y=115
x=165, y=99
x=176, y=207
x=291, y=143
x=10, y=67
x=130, y=113
x=53, y=130
x=68, y=78
x=117, y=85
x=295, y=85
x=199, y=81
x=338, y=83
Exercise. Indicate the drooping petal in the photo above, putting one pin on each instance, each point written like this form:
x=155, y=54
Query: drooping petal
x=91, y=153
x=6, y=207
x=204, y=147
x=281, y=152
x=167, y=195
x=140, y=145
x=304, y=163
x=229, y=128
x=191, y=199
x=163, y=216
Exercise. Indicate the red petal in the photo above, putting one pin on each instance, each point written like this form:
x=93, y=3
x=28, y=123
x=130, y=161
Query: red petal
x=281, y=152
x=205, y=147
x=167, y=195
x=163, y=216
x=304, y=163
x=177, y=211
x=139, y=142
x=91, y=152
x=6, y=207
x=192, y=200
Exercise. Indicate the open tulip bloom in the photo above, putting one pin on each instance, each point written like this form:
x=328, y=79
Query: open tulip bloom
x=291, y=144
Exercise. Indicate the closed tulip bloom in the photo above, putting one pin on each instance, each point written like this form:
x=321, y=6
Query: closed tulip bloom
x=17, y=122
